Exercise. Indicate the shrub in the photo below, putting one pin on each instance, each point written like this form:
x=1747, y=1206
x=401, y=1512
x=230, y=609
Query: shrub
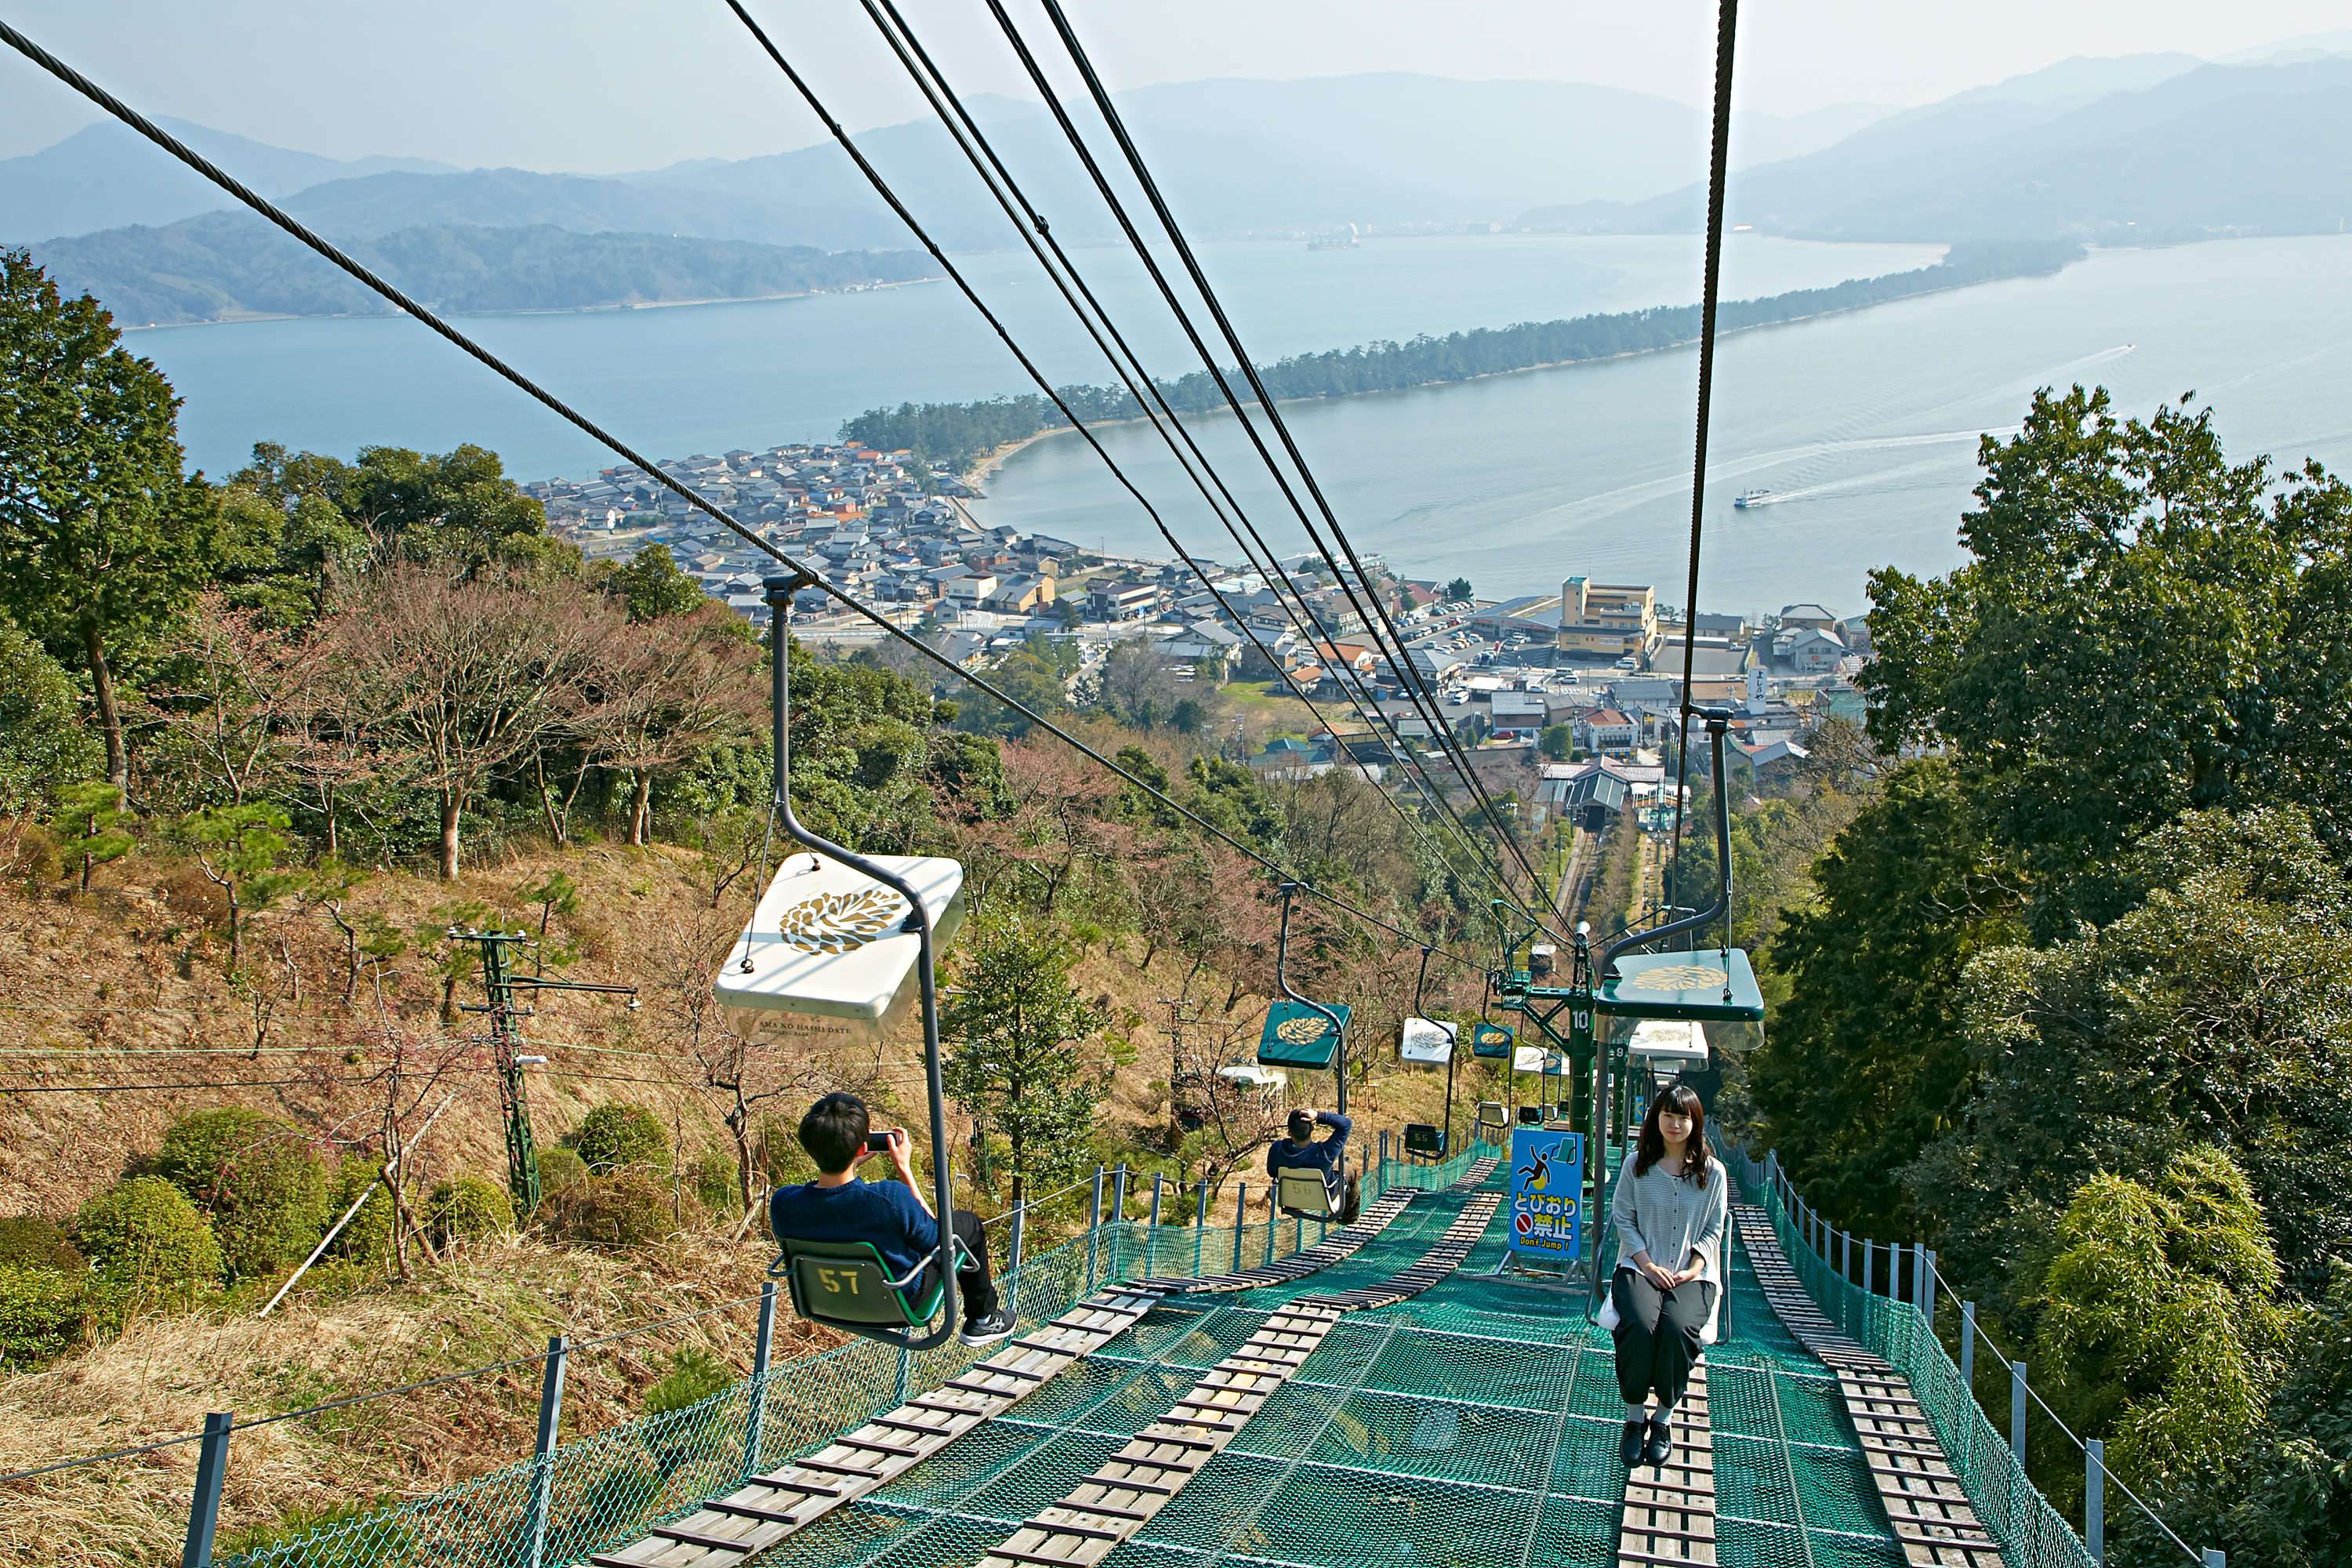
x=616, y=1136
x=144, y=1236
x=560, y=1171
x=628, y=1208
x=468, y=1209
x=714, y=1182
x=30, y=1241
x=255, y=1177
x=694, y=1375
x=368, y=1237
x=40, y=1314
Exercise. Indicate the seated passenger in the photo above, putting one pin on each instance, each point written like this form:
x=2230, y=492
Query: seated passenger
x=1301, y=1151
x=894, y=1216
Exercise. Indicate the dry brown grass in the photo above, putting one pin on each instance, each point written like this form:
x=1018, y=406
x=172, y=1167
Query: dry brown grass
x=500, y=1299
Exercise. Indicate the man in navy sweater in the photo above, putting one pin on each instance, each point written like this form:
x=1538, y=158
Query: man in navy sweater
x=893, y=1216
x=1302, y=1150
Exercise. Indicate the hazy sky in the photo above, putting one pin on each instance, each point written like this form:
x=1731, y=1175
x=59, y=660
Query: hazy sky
x=608, y=85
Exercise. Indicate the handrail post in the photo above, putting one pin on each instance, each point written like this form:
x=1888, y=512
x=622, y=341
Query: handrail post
x=2094, y=1499
x=1868, y=1285
x=1928, y=1288
x=542, y=1464
x=2016, y=1412
x=203, y=1504
x=755, y=1418
x=1969, y=1347
x=1118, y=1220
x=1241, y=1214
x=1273, y=1196
x=1093, y=1228
x=1845, y=1255
x=1156, y=1177
x=1200, y=1222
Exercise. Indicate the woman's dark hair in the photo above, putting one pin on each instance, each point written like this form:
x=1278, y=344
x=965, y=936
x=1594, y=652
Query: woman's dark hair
x=1681, y=1098
x=834, y=1131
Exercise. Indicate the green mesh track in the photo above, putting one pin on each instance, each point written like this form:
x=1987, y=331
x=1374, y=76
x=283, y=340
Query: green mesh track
x=1475, y=1425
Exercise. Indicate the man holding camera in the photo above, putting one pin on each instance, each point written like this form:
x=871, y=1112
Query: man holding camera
x=1301, y=1150
x=894, y=1216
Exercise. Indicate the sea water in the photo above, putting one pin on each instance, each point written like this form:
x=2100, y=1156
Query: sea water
x=1865, y=424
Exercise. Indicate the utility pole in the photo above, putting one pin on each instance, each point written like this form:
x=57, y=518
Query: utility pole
x=505, y=1040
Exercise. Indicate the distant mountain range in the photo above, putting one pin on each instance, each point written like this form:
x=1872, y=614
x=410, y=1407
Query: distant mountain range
x=2140, y=148
x=231, y=266
x=2196, y=153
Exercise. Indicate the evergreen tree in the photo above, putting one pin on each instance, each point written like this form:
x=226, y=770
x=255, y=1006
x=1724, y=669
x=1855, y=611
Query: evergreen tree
x=1013, y=1026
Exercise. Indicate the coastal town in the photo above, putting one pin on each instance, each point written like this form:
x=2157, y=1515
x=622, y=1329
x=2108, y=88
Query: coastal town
x=1564, y=702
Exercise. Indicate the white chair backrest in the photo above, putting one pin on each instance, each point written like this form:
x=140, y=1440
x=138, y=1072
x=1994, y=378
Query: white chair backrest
x=1302, y=1188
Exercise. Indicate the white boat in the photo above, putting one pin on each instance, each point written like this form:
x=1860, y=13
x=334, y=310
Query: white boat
x=1746, y=499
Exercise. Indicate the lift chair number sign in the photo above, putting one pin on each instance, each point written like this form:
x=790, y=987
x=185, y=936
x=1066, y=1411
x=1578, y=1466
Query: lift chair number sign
x=836, y=1282
x=1546, y=1178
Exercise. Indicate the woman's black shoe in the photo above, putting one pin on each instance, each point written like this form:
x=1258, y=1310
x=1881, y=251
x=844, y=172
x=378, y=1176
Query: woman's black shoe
x=1661, y=1446
x=1628, y=1447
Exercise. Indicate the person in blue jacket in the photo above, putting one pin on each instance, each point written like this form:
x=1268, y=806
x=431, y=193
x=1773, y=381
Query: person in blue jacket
x=892, y=1214
x=1302, y=1150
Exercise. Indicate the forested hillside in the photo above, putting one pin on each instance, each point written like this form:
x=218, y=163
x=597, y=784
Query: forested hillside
x=231, y=266
x=266, y=739
x=2069, y=997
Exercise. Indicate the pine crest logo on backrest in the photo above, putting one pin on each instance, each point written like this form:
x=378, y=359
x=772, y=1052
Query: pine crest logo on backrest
x=1298, y=1031
x=841, y=922
x=1675, y=977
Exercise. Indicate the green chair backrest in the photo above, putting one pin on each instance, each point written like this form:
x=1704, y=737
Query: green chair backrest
x=1424, y=1138
x=1301, y=1192
x=847, y=1282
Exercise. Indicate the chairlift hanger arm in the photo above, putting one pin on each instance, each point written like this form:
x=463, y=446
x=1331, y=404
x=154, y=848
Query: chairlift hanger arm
x=1718, y=723
x=779, y=591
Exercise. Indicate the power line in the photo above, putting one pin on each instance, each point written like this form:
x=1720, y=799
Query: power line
x=973, y=143
x=427, y=319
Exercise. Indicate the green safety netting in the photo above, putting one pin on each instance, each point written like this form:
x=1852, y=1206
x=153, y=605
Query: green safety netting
x=2032, y=1534
x=1472, y=1426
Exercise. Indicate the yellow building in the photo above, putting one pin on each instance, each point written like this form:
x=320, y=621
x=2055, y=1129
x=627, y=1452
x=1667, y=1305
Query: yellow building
x=1610, y=619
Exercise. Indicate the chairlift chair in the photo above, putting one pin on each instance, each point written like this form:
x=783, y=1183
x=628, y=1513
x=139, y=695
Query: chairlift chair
x=845, y=1285
x=1298, y=1033
x=849, y=943
x=1426, y=1141
x=1300, y=1190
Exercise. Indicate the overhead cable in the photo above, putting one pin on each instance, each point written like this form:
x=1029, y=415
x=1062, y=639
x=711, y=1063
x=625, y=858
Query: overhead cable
x=1424, y=703
x=973, y=141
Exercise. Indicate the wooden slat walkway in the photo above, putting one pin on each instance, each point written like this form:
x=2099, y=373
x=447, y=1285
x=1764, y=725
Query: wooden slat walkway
x=1925, y=1504
x=764, y=1511
x=1669, y=1509
x=730, y=1530
x=1123, y=1494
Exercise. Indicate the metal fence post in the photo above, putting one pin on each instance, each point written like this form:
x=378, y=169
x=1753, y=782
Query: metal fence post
x=1867, y=1246
x=542, y=1470
x=1156, y=1177
x=2016, y=1412
x=1200, y=1222
x=1093, y=1228
x=204, y=1505
x=1241, y=1214
x=1969, y=1347
x=2094, y=1499
x=1012, y=1265
x=1927, y=1288
x=1273, y=1195
x=1117, y=1221
x=755, y=1418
